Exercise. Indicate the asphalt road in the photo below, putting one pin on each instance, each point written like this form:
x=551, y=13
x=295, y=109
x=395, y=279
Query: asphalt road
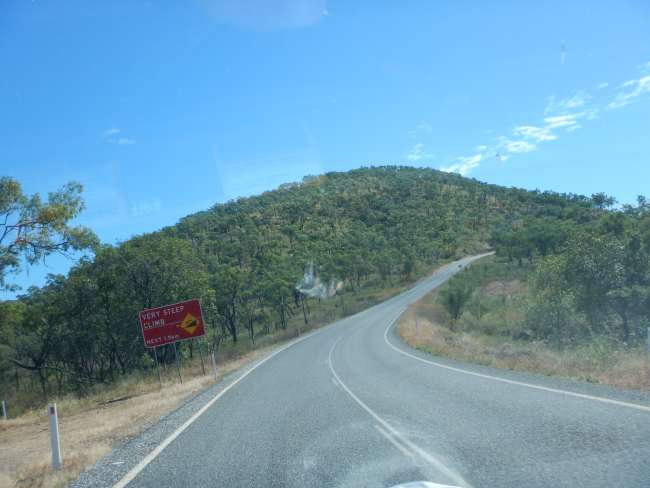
x=352, y=406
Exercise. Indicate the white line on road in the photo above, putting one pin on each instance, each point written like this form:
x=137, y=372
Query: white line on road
x=619, y=403
x=154, y=454
x=436, y=463
x=394, y=442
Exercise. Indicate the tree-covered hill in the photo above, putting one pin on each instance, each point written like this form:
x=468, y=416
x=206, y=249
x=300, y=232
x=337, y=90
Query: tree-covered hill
x=258, y=262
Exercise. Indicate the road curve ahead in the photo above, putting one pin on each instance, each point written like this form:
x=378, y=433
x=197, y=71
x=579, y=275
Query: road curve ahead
x=352, y=406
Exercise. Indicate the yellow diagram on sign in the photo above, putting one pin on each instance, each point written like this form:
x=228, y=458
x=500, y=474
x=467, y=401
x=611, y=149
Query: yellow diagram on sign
x=189, y=324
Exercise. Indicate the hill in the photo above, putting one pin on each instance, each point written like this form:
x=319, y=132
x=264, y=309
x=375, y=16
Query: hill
x=266, y=264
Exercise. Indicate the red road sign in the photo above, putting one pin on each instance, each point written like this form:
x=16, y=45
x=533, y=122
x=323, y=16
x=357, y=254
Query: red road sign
x=172, y=323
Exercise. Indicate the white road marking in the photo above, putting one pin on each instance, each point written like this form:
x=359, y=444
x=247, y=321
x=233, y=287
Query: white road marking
x=436, y=463
x=619, y=403
x=394, y=442
x=128, y=477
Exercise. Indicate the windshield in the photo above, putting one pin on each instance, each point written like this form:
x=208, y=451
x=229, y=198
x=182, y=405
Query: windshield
x=324, y=243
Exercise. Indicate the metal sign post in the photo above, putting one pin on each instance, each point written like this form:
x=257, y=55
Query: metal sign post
x=54, y=436
x=155, y=357
x=178, y=364
x=4, y=410
x=201, y=355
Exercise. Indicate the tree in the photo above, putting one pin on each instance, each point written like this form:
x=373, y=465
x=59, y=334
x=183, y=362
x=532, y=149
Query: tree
x=602, y=200
x=31, y=229
x=454, y=297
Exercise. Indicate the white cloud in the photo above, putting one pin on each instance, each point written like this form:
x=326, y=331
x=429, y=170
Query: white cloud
x=418, y=153
x=562, y=120
x=538, y=134
x=123, y=141
x=464, y=165
x=629, y=91
x=518, y=146
x=564, y=115
x=559, y=106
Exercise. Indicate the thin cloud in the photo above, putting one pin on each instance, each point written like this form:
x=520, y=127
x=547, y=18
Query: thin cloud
x=463, y=165
x=537, y=134
x=571, y=103
x=518, y=146
x=560, y=116
x=418, y=153
x=629, y=91
x=562, y=120
x=124, y=141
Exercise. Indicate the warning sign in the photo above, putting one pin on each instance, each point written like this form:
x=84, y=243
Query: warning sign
x=172, y=323
x=189, y=324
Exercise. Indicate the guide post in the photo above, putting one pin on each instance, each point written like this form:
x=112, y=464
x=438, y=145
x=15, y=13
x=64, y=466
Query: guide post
x=54, y=436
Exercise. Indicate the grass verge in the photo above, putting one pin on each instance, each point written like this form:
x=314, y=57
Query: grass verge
x=422, y=327
x=90, y=427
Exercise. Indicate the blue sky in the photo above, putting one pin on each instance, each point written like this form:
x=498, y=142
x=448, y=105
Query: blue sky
x=161, y=109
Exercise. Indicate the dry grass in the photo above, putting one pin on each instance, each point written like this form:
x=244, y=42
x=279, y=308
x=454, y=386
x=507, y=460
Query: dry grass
x=420, y=328
x=90, y=427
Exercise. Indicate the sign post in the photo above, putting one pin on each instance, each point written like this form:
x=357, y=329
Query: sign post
x=155, y=357
x=178, y=364
x=4, y=410
x=201, y=355
x=214, y=364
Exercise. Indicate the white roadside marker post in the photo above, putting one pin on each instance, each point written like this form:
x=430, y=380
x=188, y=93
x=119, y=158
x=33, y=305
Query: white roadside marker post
x=648, y=339
x=4, y=410
x=54, y=436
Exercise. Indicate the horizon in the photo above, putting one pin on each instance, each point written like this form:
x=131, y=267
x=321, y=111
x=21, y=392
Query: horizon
x=162, y=111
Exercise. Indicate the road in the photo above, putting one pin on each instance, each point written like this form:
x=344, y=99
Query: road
x=352, y=406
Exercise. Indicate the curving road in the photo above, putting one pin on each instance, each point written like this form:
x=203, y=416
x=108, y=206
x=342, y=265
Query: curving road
x=352, y=406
